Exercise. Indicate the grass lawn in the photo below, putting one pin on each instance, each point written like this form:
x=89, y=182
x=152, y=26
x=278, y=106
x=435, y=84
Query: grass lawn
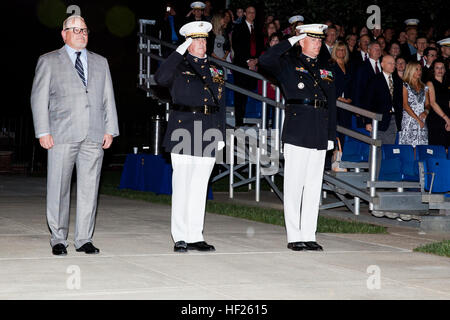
x=440, y=248
x=110, y=182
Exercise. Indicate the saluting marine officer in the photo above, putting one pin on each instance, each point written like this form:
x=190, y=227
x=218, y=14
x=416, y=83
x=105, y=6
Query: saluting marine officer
x=309, y=129
x=197, y=87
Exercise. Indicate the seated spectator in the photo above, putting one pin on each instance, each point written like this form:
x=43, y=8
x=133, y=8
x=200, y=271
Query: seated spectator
x=438, y=121
x=218, y=44
x=400, y=66
x=415, y=98
x=430, y=54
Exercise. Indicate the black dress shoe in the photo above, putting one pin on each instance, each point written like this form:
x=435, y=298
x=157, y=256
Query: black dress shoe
x=180, y=246
x=297, y=246
x=88, y=248
x=59, y=249
x=200, y=246
x=314, y=246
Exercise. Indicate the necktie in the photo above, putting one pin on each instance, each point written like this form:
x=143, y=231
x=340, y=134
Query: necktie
x=391, y=86
x=252, y=42
x=79, y=68
x=377, y=70
x=365, y=56
x=422, y=61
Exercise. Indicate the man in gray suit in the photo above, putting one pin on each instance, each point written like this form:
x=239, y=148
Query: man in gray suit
x=75, y=118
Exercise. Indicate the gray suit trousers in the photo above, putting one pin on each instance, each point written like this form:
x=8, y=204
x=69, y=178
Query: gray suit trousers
x=87, y=156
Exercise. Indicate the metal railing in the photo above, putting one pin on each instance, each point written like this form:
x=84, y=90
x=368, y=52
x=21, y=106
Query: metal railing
x=148, y=43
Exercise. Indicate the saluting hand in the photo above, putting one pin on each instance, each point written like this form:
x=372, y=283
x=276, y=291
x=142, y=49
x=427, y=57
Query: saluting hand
x=293, y=40
x=184, y=46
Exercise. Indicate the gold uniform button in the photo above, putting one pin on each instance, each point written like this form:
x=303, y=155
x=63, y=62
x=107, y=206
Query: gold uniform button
x=204, y=77
x=315, y=95
x=179, y=121
x=205, y=99
x=295, y=114
x=313, y=64
x=202, y=67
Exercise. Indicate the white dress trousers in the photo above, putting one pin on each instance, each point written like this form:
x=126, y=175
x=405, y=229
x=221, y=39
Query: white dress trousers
x=189, y=190
x=303, y=174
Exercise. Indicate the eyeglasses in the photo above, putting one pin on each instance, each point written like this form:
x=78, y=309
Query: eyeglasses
x=78, y=30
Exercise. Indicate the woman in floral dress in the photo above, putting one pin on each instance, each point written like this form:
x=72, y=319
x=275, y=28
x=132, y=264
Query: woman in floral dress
x=415, y=107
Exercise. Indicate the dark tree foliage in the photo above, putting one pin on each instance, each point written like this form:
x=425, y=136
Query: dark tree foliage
x=353, y=12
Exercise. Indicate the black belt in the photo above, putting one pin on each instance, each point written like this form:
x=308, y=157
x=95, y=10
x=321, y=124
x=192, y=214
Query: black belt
x=310, y=102
x=196, y=109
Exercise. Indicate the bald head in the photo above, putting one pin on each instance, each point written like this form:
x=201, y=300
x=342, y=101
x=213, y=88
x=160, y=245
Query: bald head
x=388, y=64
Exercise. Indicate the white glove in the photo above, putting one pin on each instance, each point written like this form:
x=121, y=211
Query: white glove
x=330, y=145
x=183, y=47
x=293, y=40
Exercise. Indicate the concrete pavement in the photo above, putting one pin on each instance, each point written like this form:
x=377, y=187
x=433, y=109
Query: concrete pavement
x=251, y=262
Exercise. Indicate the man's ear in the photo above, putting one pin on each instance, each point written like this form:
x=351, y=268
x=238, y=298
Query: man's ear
x=63, y=35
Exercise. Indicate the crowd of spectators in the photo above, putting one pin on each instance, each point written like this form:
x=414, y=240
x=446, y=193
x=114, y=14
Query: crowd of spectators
x=400, y=71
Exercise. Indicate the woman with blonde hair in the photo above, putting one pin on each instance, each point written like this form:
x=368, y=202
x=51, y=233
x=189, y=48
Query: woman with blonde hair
x=340, y=57
x=218, y=45
x=415, y=107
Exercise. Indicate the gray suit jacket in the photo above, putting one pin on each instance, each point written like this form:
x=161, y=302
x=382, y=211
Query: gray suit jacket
x=63, y=107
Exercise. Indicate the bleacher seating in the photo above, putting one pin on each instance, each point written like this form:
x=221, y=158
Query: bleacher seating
x=441, y=170
x=355, y=150
x=398, y=163
x=424, y=152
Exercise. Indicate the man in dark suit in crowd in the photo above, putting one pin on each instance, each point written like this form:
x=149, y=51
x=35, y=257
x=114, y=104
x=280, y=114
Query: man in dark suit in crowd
x=248, y=44
x=327, y=45
x=360, y=56
x=409, y=47
x=384, y=95
x=430, y=55
x=366, y=71
x=419, y=56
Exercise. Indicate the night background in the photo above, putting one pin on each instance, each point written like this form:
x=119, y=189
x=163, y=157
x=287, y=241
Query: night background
x=33, y=28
